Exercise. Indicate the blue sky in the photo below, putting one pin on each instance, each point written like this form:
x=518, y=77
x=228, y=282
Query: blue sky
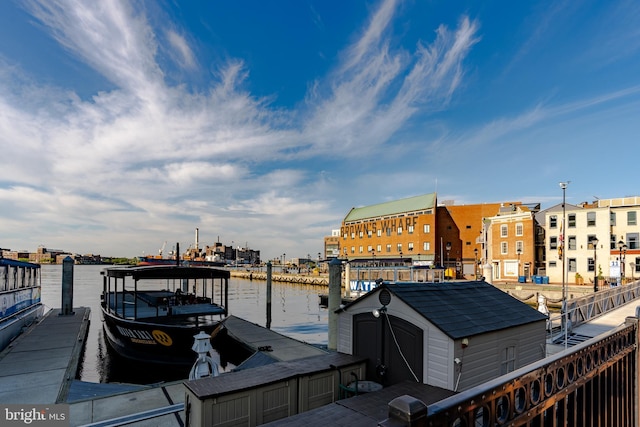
x=127, y=124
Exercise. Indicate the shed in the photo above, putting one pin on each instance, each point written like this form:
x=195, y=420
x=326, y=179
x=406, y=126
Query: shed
x=453, y=335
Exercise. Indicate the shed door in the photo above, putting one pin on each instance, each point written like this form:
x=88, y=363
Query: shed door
x=374, y=340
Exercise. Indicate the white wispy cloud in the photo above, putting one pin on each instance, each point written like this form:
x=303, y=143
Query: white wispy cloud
x=146, y=156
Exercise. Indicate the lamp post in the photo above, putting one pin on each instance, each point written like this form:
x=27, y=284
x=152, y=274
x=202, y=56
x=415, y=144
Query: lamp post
x=594, y=241
x=475, y=263
x=373, y=255
x=448, y=247
x=519, y=252
x=563, y=185
x=623, y=252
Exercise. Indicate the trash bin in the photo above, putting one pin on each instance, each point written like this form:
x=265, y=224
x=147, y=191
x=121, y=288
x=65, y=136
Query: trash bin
x=538, y=280
x=522, y=279
x=545, y=280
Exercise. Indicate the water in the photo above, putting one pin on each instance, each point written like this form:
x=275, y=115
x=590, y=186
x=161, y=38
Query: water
x=295, y=313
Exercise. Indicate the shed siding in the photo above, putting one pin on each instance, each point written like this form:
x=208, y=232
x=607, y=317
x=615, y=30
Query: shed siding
x=345, y=333
x=482, y=359
x=437, y=360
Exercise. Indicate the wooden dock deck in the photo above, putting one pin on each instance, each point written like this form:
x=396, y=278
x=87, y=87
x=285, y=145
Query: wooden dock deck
x=279, y=347
x=38, y=367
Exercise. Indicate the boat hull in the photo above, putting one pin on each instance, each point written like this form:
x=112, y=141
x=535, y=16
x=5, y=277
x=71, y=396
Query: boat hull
x=13, y=325
x=150, y=342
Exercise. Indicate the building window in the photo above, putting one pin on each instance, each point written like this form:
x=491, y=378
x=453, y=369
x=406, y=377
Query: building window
x=369, y=248
x=552, y=264
x=571, y=221
x=389, y=248
x=637, y=264
x=572, y=264
x=504, y=231
x=519, y=229
x=353, y=249
x=591, y=265
x=426, y=246
x=399, y=231
x=379, y=232
x=591, y=219
x=410, y=229
x=353, y=234
x=360, y=234
x=426, y=228
x=553, y=242
x=590, y=239
x=520, y=246
x=571, y=243
x=504, y=248
x=369, y=233
x=399, y=247
x=631, y=218
x=508, y=360
x=612, y=218
x=388, y=231
x=632, y=241
x=361, y=249
x=612, y=242
x=553, y=221
x=410, y=246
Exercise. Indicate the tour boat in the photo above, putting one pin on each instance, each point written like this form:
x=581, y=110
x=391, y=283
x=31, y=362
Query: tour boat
x=152, y=313
x=19, y=298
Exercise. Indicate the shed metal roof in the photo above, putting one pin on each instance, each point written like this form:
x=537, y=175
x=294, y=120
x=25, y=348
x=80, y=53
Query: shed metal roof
x=464, y=309
x=416, y=203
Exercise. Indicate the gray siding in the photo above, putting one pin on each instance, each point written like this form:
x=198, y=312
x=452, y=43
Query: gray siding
x=482, y=360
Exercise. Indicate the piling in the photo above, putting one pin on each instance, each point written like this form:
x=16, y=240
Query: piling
x=269, y=272
x=67, y=287
x=347, y=280
x=335, y=288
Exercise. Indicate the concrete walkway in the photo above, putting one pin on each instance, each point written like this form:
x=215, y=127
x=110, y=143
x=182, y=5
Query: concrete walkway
x=38, y=367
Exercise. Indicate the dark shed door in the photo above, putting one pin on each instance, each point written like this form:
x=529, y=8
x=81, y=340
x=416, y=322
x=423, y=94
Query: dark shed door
x=373, y=339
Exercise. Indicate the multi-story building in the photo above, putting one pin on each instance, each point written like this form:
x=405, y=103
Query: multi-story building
x=510, y=241
x=600, y=239
x=331, y=246
x=401, y=231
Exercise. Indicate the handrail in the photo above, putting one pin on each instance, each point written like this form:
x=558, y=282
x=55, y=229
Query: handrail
x=139, y=416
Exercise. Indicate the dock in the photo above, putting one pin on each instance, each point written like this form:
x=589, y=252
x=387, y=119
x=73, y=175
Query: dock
x=39, y=366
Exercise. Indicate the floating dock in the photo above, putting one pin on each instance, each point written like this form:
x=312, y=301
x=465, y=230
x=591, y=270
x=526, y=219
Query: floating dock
x=39, y=366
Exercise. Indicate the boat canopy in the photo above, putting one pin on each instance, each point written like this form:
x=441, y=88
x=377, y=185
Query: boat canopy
x=166, y=272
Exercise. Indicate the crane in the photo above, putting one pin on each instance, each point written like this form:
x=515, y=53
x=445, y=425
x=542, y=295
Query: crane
x=162, y=249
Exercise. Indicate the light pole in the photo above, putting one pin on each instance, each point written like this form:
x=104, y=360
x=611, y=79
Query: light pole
x=594, y=241
x=563, y=185
x=623, y=253
x=448, y=247
x=519, y=252
x=475, y=263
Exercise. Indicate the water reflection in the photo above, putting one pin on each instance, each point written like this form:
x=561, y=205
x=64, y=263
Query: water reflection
x=297, y=314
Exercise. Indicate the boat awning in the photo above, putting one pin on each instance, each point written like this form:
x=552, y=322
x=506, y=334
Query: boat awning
x=166, y=272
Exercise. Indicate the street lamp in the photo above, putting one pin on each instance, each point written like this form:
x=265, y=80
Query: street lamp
x=475, y=263
x=373, y=255
x=401, y=260
x=563, y=185
x=623, y=253
x=594, y=241
x=448, y=247
x=519, y=252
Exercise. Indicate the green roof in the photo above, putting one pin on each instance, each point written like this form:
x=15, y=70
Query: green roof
x=411, y=204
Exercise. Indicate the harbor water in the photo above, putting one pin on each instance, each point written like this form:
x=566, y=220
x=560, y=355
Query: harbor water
x=295, y=309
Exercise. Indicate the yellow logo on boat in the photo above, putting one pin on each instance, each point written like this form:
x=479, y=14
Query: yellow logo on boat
x=162, y=338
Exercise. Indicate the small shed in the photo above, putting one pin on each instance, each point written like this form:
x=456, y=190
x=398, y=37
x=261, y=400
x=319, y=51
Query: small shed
x=453, y=335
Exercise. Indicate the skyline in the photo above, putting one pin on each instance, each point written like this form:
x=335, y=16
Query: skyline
x=126, y=125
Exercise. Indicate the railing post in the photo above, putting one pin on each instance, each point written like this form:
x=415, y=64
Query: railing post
x=406, y=411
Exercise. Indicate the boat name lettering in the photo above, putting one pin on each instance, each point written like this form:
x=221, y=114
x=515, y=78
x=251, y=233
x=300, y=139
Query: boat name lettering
x=135, y=333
